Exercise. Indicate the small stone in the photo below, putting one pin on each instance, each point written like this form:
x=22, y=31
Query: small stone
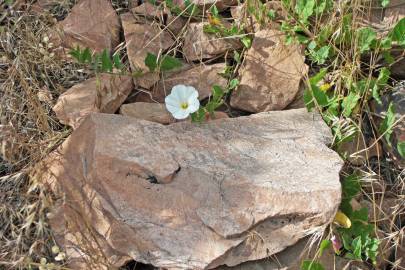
x=104, y=94
x=271, y=74
x=199, y=45
x=154, y=112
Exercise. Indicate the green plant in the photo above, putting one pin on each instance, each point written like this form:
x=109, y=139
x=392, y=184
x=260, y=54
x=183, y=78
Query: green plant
x=216, y=100
x=100, y=62
x=358, y=240
x=164, y=63
x=190, y=9
x=216, y=27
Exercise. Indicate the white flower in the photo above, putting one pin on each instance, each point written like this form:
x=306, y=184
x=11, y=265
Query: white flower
x=182, y=101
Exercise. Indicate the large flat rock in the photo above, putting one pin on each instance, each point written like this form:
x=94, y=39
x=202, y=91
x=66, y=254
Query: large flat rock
x=189, y=196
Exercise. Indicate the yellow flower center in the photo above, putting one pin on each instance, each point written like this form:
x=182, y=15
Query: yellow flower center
x=184, y=105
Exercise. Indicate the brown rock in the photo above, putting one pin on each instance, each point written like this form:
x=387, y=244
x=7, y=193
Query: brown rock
x=91, y=23
x=199, y=45
x=149, y=10
x=290, y=259
x=270, y=75
x=201, y=77
x=217, y=115
x=154, y=112
x=384, y=19
x=141, y=39
x=104, y=94
x=175, y=23
x=195, y=196
x=298, y=101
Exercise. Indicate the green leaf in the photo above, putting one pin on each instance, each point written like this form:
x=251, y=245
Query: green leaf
x=356, y=246
x=233, y=84
x=106, y=64
x=169, y=63
x=386, y=43
x=380, y=83
x=237, y=57
x=321, y=55
x=372, y=250
x=76, y=54
x=318, y=77
x=214, y=11
x=349, y=103
x=401, y=148
x=366, y=37
x=211, y=29
x=359, y=215
x=304, y=9
x=271, y=14
x=325, y=244
x=320, y=96
x=86, y=56
x=387, y=125
x=351, y=186
x=383, y=76
x=398, y=32
x=151, y=61
x=198, y=116
x=308, y=99
x=117, y=62
x=311, y=265
x=388, y=57
x=385, y=3
x=217, y=92
x=246, y=41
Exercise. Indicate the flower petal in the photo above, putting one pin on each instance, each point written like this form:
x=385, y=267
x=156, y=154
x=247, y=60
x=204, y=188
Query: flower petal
x=173, y=98
x=191, y=92
x=180, y=114
x=172, y=109
x=180, y=92
x=193, y=105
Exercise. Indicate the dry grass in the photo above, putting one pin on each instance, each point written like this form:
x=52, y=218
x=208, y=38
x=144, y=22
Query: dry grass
x=31, y=79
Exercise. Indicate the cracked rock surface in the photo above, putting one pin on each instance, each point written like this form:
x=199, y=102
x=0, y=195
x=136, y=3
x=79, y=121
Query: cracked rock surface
x=189, y=196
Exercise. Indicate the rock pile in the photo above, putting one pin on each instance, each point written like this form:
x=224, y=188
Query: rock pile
x=139, y=186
